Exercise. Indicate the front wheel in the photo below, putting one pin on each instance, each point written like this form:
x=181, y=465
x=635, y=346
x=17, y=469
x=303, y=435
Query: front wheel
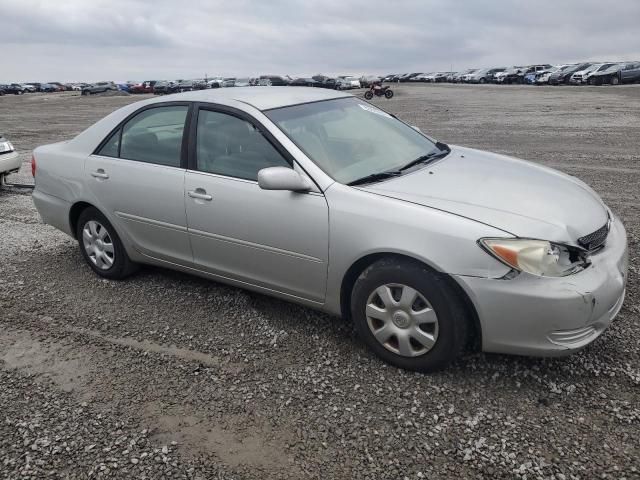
x=408, y=315
x=101, y=247
x=368, y=95
x=388, y=94
x=615, y=80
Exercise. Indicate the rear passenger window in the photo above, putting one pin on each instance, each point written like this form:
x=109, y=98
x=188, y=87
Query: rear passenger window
x=154, y=136
x=227, y=145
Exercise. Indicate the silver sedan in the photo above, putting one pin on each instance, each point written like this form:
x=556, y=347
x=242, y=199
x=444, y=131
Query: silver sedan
x=323, y=199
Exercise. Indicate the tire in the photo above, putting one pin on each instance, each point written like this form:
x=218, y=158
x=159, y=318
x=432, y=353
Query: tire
x=368, y=95
x=103, y=252
x=432, y=294
x=482, y=81
x=615, y=80
x=388, y=94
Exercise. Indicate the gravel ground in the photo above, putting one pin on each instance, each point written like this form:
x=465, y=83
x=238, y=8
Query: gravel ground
x=170, y=376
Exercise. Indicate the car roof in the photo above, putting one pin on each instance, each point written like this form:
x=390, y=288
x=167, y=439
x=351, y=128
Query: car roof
x=262, y=98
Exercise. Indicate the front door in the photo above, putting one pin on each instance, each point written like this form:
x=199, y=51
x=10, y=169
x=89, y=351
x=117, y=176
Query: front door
x=273, y=239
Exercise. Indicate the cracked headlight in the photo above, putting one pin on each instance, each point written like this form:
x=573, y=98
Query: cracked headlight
x=537, y=257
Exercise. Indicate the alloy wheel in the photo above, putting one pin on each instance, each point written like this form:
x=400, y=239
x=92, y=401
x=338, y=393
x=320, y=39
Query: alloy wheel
x=402, y=320
x=98, y=244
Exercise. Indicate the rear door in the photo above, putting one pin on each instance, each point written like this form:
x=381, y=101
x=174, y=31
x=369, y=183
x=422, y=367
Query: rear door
x=137, y=178
x=273, y=239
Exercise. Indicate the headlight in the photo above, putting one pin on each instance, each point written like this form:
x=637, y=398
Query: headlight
x=537, y=257
x=6, y=147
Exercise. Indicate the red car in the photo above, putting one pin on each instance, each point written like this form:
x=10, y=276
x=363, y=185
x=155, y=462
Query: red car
x=144, y=87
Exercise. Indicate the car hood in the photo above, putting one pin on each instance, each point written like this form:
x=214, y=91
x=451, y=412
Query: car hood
x=519, y=197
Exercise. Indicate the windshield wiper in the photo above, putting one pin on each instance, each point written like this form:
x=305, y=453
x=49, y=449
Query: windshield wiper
x=430, y=157
x=443, y=151
x=375, y=177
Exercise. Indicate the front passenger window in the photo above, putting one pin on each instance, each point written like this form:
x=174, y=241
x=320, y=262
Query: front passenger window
x=155, y=136
x=230, y=146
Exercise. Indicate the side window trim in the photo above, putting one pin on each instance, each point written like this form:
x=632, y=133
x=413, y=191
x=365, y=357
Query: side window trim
x=186, y=131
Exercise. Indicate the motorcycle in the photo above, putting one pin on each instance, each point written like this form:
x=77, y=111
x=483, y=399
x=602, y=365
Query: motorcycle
x=378, y=91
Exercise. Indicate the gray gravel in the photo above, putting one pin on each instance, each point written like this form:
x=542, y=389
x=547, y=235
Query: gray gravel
x=171, y=376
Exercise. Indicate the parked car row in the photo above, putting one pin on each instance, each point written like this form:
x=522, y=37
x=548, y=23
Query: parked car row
x=162, y=87
x=591, y=73
x=22, y=88
x=586, y=73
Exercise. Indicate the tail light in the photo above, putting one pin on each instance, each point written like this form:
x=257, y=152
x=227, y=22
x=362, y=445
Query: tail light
x=33, y=166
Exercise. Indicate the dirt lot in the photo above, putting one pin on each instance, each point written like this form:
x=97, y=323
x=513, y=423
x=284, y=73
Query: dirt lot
x=170, y=376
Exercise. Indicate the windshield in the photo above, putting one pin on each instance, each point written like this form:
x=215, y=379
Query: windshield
x=615, y=67
x=349, y=138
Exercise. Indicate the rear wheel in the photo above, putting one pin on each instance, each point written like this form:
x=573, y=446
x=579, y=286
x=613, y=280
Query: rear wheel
x=101, y=247
x=408, y=315
x=388, y=94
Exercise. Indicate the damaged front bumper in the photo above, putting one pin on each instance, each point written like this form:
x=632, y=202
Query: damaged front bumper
x=544, y=316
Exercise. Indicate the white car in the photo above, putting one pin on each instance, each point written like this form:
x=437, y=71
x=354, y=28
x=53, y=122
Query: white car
x=349, y=82
x=9, y=159
x=499, y=77
x=242, y=82
x=543, y=79
x=589, y=72
x=579, y=77
x=315, y=196
x=216, y=82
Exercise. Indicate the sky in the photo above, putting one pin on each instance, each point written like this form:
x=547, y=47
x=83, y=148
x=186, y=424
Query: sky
x=92, y=40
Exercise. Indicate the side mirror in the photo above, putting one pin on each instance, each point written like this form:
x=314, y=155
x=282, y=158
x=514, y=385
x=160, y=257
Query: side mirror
x=282, y=178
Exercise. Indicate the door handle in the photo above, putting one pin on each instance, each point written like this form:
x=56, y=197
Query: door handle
x=200, y=194
x=100, y=173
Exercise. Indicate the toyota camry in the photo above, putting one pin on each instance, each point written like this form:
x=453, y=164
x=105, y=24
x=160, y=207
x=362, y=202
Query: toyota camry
x=321, y=198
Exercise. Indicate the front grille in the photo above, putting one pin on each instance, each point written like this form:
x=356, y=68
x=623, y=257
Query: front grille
x=596, y=239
